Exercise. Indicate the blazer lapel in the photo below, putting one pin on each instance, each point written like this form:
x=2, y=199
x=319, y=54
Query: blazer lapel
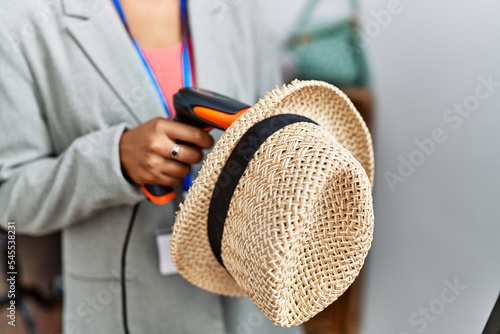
x=98, y=30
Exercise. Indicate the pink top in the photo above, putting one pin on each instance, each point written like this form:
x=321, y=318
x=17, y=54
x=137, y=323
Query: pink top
x=167, y=67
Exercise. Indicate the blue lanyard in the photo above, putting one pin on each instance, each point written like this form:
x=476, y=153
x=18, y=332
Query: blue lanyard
x=186, y=59
x=186, y=63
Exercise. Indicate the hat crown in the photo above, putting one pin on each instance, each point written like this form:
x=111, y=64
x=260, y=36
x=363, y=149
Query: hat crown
x=294, y=231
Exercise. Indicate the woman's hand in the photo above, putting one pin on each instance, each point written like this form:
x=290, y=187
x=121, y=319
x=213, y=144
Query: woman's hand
x=146, y=151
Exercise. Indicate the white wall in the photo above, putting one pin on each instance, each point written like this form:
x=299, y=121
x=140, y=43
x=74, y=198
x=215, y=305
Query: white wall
x=441, y=225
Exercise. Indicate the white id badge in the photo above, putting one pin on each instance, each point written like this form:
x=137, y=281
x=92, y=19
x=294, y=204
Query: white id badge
x=163, y=240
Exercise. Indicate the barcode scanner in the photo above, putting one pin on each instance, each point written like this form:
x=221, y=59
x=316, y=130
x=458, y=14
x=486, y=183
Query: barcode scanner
x=205, y=110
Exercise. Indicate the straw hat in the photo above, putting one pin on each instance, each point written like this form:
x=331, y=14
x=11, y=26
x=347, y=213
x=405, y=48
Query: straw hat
x=281, y=210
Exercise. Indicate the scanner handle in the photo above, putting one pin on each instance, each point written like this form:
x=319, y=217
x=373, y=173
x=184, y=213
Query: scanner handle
x=205, y=110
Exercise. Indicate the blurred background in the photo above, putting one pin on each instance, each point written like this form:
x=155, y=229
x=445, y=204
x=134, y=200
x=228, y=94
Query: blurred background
x=426, y=77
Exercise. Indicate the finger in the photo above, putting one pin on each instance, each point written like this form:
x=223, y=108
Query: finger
x=174, y=168
x=158, y=175
x=167, y=180
x=189, y=134
x=185, y=154
x=159, y=144
x=153, y=164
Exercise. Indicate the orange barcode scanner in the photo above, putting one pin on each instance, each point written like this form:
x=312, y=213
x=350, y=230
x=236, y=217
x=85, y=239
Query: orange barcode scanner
x=205, y=110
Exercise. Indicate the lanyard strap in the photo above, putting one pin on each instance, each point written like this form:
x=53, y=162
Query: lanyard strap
x=188, y=78
x=186, y=55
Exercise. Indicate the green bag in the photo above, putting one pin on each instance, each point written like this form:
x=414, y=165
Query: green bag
x=328, y=51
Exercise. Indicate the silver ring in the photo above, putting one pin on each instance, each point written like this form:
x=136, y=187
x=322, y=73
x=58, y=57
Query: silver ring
x=174, y=154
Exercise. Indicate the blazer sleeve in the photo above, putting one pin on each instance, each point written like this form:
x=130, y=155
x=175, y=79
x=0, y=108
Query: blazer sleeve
x=40, y=191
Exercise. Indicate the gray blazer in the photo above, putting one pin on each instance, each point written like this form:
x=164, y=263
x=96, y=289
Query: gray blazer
x=70, y=83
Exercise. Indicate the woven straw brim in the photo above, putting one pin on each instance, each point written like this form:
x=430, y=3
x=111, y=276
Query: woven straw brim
x=291, y=258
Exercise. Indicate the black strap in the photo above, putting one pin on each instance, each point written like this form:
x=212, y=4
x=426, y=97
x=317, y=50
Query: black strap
x=493, y=324
x=233, y=170
x=123, y=279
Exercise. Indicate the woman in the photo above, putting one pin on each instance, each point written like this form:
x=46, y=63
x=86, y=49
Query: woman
x=83, y=124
